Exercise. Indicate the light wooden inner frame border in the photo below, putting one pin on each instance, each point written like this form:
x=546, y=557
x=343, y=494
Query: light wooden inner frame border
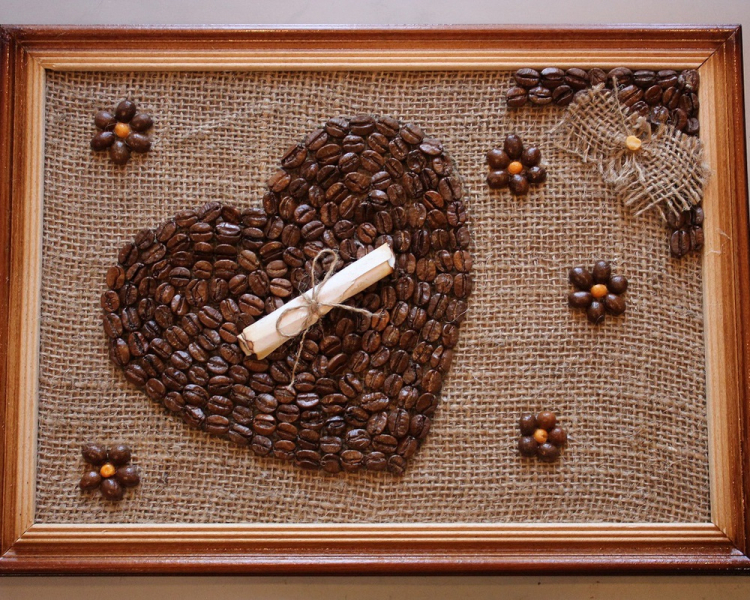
x=26, y=53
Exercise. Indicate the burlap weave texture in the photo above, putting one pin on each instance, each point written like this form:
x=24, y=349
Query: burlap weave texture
x=631, y=393
x=667, y=173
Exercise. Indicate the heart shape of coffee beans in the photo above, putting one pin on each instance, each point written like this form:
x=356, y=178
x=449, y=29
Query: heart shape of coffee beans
x=365, y=388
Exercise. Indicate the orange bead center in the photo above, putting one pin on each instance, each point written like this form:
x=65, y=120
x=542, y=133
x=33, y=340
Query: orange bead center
x=599, y=290
x=540, y=435
x=633, y=143
x=515, y=168
x=122, y=130
x=107, y=470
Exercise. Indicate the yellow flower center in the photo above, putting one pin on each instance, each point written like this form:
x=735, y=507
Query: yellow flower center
x=633, y=143
x=122, y=130
x=540, y=435
x=515, y=168
x=599, y=290
x=107, y=470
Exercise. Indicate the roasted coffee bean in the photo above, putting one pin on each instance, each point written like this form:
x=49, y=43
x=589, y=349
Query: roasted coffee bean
x=516, y=97
x=155, y=389
x=152, y=364
x=562, y=95
x=667, y=78
x=671, y=98
x=653, y=95
x=659, y=115
x=689, y=103
x=689, y=80
x=680, y=243
x=576, y=78
x=119, y=352
x=137, y=344
x=110, y=301
x=644, y=79
x=629, y=95
x=387, y=126
x=131, y=320
x=112, y=325
x=174, y=379
x=527, y=78
x=597, y=76
x=540, y=96
x=621, y=76
x=678, y=119
x=552, y=77
x=294, y=156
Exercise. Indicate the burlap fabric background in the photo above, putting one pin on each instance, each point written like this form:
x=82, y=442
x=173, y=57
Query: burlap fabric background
x=631, y=392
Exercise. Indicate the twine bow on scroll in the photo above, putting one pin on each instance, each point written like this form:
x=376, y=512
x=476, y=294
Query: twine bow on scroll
x=298, y=315
x=314, y=308
x=646, y=169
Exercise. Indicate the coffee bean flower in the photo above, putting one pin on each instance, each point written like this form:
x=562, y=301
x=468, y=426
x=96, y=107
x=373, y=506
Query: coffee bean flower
x=111, y=471
x=687, y=231
x=541, y=436
x=122, y=132
x=515, y=167
x=598, y=291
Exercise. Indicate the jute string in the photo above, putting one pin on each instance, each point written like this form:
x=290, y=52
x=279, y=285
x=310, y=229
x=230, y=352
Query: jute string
x=313, y=306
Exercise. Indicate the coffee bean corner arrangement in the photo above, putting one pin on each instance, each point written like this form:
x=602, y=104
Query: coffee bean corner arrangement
x=541, y=436
x=366, y=388
x=686, y=231
x=109, y=470
x=597, y=291
x=665, y=96
x=515, y=166
x=122, y=132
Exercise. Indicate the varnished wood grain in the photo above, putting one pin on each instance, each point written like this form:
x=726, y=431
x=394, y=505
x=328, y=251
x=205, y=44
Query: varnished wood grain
x=7, y=429
x=27, y=547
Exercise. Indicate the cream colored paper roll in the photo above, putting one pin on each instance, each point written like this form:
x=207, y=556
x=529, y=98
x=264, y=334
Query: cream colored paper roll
x=262, y=337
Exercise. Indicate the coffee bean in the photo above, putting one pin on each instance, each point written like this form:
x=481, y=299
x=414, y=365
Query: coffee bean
x=644, y=79
x=597, y=76
x=622, y=76
x=337, y=127
x=552, y=77
x=155, y=389
x=110, y=301
x=667, y=78
x=678, y=119
x=527, y=78
x=562, y=95
x=629, y=95
x=576, y=78
x=671, y=98
x=540, y=96
x=689, y=80
x=653, y=95
x=595, y=312
x=659, y=115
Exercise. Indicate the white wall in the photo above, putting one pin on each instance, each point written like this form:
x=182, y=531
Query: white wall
x=378, y=12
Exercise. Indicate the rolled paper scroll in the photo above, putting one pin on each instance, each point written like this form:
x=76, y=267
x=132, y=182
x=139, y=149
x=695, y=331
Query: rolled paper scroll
x=264, y=336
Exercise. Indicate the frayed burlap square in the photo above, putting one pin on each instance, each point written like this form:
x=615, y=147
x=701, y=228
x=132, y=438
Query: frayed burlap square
x=667, y=172
x=631, y=392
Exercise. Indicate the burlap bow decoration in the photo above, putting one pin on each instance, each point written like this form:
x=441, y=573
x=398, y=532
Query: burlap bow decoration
x=646, y=169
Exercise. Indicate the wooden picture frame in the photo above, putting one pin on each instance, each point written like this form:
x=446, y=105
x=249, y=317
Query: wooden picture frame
x=27, y=53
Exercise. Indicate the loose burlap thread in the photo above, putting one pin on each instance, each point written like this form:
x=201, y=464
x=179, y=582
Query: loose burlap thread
x=631, y=392
x=667, y=172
